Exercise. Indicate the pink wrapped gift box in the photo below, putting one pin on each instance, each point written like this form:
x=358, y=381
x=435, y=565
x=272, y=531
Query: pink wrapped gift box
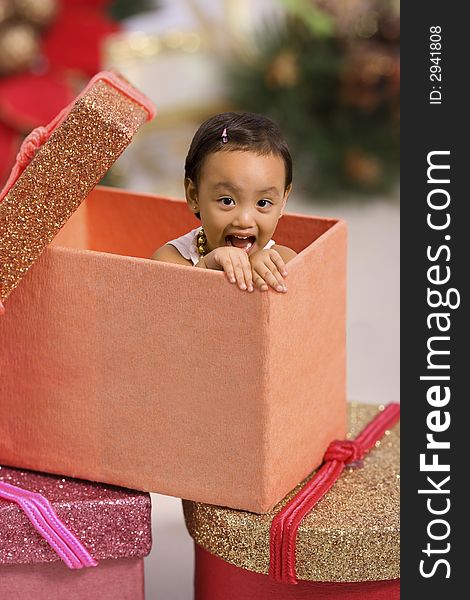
x=112, y=523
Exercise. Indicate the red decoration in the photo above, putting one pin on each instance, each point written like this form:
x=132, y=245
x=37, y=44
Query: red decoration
x=28, y=100
x=74, y=40
x=9, y=142
x=217, y=579
x=70, y=53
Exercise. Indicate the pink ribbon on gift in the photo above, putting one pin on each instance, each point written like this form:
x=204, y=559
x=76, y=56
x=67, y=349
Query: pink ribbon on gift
x=339, y=454
x=46, y=522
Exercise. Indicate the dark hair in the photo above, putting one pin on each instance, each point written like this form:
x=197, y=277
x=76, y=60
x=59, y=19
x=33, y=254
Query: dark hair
x=245, y=131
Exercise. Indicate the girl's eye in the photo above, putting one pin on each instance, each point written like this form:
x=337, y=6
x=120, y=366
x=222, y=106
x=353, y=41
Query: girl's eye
x=264, y=203
x=226, y=201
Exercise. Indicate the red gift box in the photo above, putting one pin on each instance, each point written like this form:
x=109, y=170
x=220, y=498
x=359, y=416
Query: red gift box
x=112, y=523
x=216, y=579
x=346, y=547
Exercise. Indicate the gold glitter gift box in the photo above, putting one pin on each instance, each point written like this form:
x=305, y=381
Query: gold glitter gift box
x=58, y=165
x=113, y=524
x=161, y=377
x=347, y=546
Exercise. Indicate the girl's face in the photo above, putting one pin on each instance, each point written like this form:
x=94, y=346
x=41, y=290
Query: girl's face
x=240, y=197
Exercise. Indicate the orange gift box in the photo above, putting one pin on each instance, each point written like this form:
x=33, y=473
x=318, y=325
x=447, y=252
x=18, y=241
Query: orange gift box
x=166, y=378
x=154, y=376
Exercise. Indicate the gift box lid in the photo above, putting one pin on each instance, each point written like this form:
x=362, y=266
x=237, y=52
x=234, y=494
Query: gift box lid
x=58, y=165
x=352, y=534
x=110, y=522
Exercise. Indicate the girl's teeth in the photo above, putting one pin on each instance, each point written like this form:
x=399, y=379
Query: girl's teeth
x=246, y=241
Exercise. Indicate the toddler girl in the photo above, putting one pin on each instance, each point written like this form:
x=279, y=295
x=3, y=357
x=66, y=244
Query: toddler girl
x=238, y=175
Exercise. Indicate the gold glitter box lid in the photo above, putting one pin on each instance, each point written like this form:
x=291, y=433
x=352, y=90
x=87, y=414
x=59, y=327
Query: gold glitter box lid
x=70, y=156
x=351, y=535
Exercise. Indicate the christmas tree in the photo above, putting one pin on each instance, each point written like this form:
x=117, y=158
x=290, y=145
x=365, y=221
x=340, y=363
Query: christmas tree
x=329, y=75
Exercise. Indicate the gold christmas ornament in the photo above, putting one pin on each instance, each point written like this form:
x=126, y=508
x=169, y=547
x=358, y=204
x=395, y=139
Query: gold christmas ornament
x=19, y=47
x=38, y=12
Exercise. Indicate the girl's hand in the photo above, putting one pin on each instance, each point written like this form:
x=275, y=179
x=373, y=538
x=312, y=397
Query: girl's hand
x=268, y=270
x=235, y=263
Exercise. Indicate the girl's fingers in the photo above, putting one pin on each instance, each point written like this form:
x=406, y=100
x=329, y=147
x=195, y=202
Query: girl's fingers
x=229, y=270
x=242, y=270
x=249, y=275
x=275, y=271
x=273, y=280
x=280, y=264
x=247, y=272
x=240, y=276
x=260, y=283
x=238, y=269
x=273, y=276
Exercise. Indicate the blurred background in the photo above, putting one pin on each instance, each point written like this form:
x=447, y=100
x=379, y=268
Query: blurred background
x=326, y=70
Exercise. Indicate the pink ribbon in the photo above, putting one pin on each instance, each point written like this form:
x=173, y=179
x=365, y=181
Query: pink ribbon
x=46, y=522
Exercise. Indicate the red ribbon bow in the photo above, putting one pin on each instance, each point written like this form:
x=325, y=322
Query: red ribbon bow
x=338, y=454
x=347, y=451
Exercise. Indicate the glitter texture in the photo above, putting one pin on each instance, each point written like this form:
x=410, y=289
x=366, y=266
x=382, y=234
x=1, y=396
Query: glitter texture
x=111, y=522
x=352, y=534
x=65, y=169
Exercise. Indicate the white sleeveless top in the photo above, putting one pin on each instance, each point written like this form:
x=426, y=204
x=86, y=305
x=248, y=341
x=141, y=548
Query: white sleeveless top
x=186, y=245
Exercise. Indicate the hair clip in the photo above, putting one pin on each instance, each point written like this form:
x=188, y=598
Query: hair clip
x=224, y=136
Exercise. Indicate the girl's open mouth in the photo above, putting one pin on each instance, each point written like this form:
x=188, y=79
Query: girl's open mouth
x=245, y=243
